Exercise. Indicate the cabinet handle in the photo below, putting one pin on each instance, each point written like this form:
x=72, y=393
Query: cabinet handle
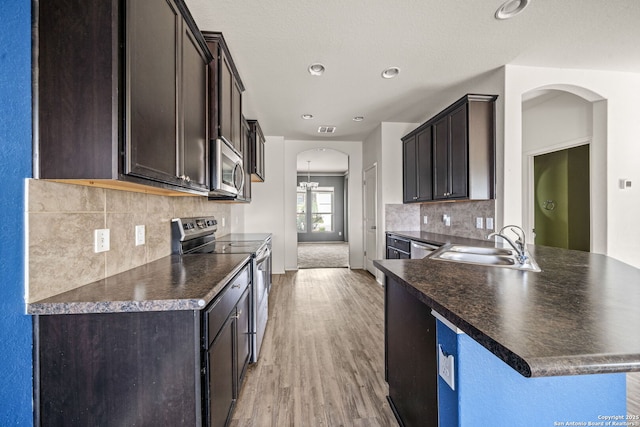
x=235, y=285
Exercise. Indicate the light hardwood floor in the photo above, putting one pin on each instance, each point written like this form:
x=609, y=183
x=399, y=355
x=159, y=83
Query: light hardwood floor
x=322, y=359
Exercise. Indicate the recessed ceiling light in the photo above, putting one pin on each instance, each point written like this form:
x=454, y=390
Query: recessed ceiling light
x=316, y=69
x=307, y=116
x=358, y=118
x=390, y=72
x=511, y=8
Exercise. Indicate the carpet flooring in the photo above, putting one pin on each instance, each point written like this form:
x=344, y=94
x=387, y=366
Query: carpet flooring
x=323, y=255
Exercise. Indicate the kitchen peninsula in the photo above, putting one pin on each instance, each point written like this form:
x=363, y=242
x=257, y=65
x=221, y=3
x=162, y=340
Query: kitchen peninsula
x=529, y=348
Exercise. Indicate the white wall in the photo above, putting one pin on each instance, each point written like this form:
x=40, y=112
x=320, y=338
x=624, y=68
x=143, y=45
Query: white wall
x=273, y=203
x=384, y=148
x=265, y=212
x=556, y=119
x=615, y=96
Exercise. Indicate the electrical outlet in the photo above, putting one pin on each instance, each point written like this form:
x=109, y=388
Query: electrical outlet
x=101, y=241
x=424, y=220
x=447, y=220
x=479, y=222
x=446, y=367
x=140, y=235
x=489, y=223
x=224, y=221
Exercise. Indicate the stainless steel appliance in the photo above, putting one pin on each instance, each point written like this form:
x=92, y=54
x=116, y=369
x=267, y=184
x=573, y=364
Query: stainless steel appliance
x=197, y=236
x=420, y=250
x=227, y=172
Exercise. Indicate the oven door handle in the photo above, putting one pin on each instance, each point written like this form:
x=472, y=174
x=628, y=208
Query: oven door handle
x=264, y=255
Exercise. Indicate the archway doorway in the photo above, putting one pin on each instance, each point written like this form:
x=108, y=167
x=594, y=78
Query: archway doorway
x=322, y=205
x=562, y=155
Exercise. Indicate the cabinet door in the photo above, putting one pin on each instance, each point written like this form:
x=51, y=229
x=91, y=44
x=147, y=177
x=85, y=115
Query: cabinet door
x=236, y=117
x=225, y=98
x=409, y=165
x=246, y=160
x=458, y=157
x=222, y=376
x=194, y=112
x=424, y=168
x=392, y=253
x=243, y=336
x=259, y=171
x=410, y=357
x=152, y=78
x=441, y=159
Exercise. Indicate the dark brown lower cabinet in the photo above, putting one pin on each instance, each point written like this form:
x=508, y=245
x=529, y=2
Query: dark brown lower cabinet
x=227, y=349
x=118, y=369
x=163, y=368
x=410, y=357
x=398, y=248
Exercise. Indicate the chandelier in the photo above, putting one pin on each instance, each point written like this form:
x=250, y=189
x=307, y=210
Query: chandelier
x=308, y=185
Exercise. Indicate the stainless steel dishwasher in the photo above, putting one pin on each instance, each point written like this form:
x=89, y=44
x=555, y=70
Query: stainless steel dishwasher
x=420, y=250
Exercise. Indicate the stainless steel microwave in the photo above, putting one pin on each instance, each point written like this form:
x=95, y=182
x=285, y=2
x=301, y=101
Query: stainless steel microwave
x=227, y=172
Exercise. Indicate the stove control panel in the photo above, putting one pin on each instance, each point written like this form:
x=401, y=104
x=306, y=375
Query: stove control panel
x=190, y=228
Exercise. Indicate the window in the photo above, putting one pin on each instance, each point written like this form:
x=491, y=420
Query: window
x=322, y=210
x=301, y=210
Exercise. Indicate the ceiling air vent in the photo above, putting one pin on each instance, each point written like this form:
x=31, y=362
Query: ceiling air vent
x=326, y=129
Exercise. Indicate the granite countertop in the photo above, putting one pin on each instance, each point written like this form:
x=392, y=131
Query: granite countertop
x=579, y=315
x=187, y=282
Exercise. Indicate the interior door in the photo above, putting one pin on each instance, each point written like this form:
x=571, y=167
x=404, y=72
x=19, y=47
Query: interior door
x=562, y=199
x=370, y=217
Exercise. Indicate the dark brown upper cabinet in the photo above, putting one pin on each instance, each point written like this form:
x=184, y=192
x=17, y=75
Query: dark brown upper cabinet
x=461, y=163
x=225, y=93
x=256, y=149
x=120, y=95
x=417, y=155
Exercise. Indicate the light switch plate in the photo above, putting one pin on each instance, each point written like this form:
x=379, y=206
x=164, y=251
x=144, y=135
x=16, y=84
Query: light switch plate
x=424, y=220
x=479, y=222
x=446, y=366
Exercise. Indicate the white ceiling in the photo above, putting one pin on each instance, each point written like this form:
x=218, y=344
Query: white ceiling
x=436, y=44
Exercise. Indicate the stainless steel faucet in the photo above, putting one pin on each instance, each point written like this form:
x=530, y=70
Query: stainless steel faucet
x=519, y=245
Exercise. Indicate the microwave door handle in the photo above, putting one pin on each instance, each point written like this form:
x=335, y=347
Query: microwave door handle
x=237, y=167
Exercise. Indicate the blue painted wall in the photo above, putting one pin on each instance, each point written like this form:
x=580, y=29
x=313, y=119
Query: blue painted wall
x=15, y=166
x=447, y=397
x=491, y=393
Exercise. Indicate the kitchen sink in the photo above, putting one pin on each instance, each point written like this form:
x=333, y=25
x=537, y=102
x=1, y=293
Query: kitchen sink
x=478, y=250
x=488, y=256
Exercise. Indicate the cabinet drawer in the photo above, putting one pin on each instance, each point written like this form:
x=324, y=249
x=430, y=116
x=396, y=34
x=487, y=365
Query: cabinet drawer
x=220, y=309
x=398, y=243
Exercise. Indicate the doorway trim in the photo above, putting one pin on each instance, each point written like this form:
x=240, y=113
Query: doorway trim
x=529, y=196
